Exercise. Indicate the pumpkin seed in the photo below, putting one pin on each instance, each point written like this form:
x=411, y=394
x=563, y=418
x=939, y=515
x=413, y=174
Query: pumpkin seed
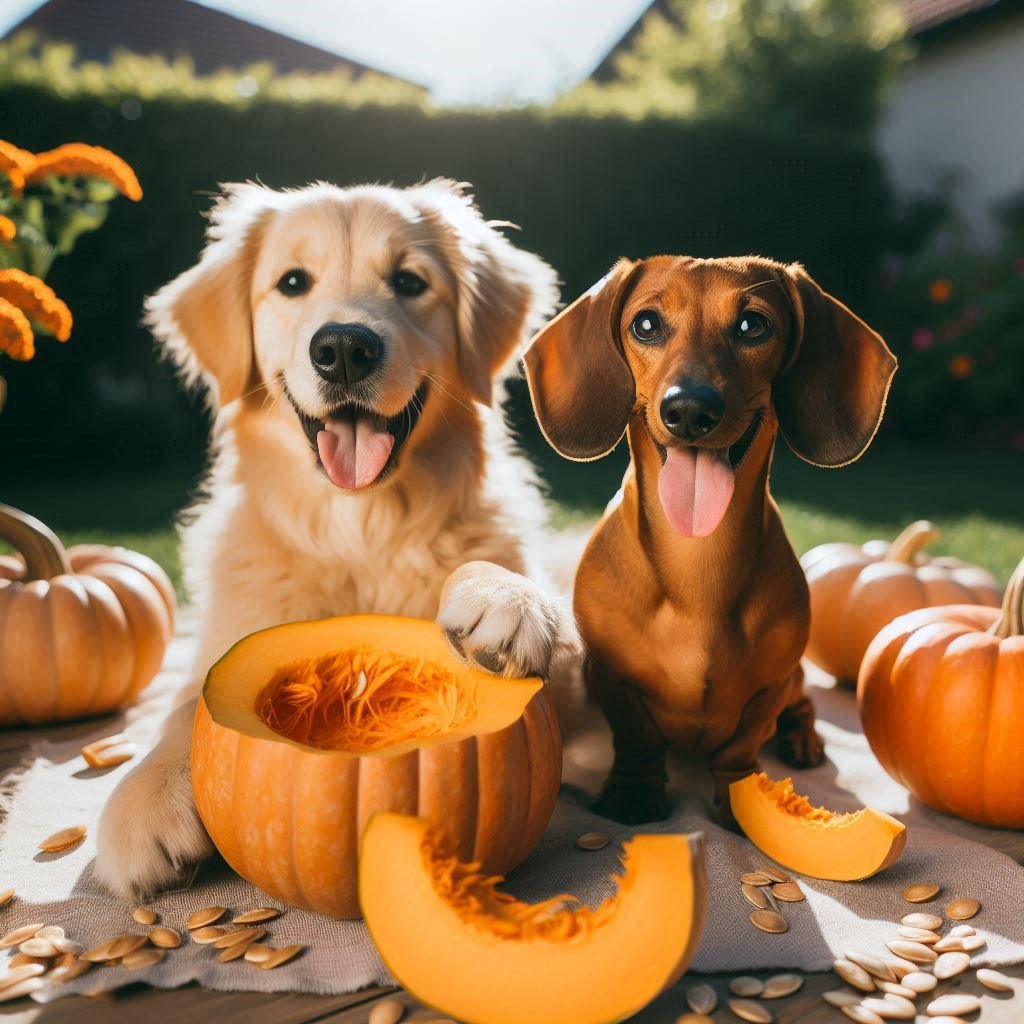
x=841, y=997
x=37, y=947
x=68, y=972
x=769, y=921
x=701, y=998
x=6, y=896
x=20, y=959
x=962, y=910
x=891, y=1007
x=20, y=988
x=994, y=980
x=109, y=751
x=949, y=944
x=855, y=975
x=280, y=956
x=143, y=958
x=913, y=951
x=962, y=930
x=892, y=988
x=775, y=874
x=258, y=952
x=922, y=935
x=900, y=967
x=99, y=953
x=19, y=935
x=748, y=1010
x=861, y=1014
x=919, y=981
x=257, y=915
x=874, y=965
x=949, y=965
x=746, y=986
x=972, y=943
x=66, y=958
x=16, y=974
x=956, y=1004
x=592, y=841
x=206, y=935
x=64, y=839
x=125, y=944
x=929, y=921
x=144, y=915
x=229, y=939
x=165, y=938
x=694, y=1018
x=65, y=945
x=753, y=895
x=922, y=892
x=360, y=688
x=236, y=950
x=389, y=1011
x=204, y=917
x=788, y=892
x=778, y=986
x=755, y=878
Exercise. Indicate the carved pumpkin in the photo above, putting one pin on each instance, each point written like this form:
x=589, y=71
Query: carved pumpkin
x=941, y=692
x=466, y=949
x=307, y=729
x=855, y=591
x=81, y=631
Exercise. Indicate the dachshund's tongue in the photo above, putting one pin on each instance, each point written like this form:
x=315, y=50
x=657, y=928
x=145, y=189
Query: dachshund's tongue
x=354, y=451
x=695, y=486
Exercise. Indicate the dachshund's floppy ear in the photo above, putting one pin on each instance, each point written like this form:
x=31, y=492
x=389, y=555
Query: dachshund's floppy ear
x=831, y=397
x=580, y=383
x=203, y=317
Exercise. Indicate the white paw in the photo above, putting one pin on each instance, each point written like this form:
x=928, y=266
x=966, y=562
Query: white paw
x=504, y=622
x=150, y=835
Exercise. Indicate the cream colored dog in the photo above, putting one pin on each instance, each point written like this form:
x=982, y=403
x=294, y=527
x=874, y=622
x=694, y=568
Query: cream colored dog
x=349, y=339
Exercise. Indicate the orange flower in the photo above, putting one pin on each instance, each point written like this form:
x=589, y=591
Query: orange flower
x=8, y=229
x=15, y=163
x=91, y=161
x=15, y=332
x=940, y=290
x=37, y=300
x=961, y=366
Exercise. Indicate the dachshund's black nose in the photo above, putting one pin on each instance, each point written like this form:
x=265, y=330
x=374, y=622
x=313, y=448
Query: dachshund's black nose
x=691, y=412
x=345, y=353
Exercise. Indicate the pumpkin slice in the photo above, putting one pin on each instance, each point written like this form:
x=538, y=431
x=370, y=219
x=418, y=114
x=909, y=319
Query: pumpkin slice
x=812, y=840
x=305, y=730
x=466, y=949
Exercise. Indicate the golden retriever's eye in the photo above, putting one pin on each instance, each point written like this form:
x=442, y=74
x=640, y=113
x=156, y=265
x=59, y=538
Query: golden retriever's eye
x=294, y=282
x=406, y=283
x=647, y=327
x=752, y=328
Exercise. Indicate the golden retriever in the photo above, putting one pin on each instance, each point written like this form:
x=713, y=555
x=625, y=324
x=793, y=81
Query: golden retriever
x=349, y=340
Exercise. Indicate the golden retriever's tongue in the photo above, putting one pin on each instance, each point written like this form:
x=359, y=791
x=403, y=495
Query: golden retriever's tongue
x=695, y=486
x=353, y=451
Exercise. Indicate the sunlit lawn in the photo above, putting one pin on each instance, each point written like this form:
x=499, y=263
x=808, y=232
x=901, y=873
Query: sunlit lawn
x=977, y=499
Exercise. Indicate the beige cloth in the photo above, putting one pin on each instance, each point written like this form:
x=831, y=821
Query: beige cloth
x=54, y=789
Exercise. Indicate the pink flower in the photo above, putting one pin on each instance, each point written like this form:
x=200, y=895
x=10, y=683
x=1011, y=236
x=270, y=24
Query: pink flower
x=922, y=338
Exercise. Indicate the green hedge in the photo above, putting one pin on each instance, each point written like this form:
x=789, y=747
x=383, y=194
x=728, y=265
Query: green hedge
x=585, y=190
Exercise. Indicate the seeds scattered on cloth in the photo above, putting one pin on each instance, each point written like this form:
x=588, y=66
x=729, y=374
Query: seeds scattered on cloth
x=19, y=935
x=109, y=751
x=204, y=936
x=955, y=1004
x=165, y=938
x=21, y=988
x=204, y=917
x=257, y=915
x=701, y=998
x=258, y=952
x=755, y=897
x=748, y=1010
x=855, y=975
x=919, y=982
x=949, y=965
x=755, y=878
x=862, y=1015
x=913, y=951
x=874, y=965
x=592, y=841
x=922, y=892
x=775, y=874
x=280, y=956
x=144, y=915
x=388, y=1011
x=6, y=896
x=143, y=958
x=788, y=892
x=842, y=997
x=746, y=986
x=962, y=910
x=781, y=985
x=994, y=980
x=769, y=921
x=64, y=839
x=918, y=920
x=247, y=935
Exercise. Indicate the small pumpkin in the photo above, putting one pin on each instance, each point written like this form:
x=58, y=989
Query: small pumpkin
x=856, y=590
x=812, y=840
x=82, y=631
x=941, y=694
x=305, y=730
x=466, y=949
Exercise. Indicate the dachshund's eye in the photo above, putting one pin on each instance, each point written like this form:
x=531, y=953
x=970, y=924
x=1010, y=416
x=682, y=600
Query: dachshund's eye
x=647, y=328
x=752, y=328
x=406, y=283
x=294, y=282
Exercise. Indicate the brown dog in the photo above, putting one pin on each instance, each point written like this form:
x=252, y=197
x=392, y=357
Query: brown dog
x=690, y=599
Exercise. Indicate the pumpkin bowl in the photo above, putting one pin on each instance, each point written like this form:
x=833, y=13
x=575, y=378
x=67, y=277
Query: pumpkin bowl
x=305, y=730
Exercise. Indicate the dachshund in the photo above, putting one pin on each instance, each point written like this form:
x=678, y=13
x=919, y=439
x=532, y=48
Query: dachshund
x=689, y=596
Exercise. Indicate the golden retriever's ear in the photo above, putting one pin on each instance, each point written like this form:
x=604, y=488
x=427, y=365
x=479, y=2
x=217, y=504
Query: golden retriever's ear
x=503, y=293
x=580, y=383
x=831, y=397
x=203, y=317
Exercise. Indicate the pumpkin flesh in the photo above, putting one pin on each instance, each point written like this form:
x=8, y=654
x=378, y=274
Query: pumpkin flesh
x=468, y=950
x=813, y=840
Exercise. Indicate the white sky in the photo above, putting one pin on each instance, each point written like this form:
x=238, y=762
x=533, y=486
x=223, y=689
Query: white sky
x=465, y=51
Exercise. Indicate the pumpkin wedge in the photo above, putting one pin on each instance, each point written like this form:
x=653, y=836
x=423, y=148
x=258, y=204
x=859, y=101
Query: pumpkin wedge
x=305, y=730
x=812, y=840
x=466, y=949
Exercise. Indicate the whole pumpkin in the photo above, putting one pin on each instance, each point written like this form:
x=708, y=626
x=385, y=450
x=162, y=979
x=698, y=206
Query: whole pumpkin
x=82, y=631
x=856, y=590
x=941, y=693
x=305, y=730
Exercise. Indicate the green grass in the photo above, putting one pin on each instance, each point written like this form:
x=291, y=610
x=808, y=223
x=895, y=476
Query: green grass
x=976, y=498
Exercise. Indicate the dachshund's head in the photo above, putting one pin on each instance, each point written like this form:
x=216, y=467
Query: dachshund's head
x=704, y=350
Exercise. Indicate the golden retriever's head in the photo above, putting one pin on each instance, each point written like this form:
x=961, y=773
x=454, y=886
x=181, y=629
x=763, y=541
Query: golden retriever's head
x=360, y=307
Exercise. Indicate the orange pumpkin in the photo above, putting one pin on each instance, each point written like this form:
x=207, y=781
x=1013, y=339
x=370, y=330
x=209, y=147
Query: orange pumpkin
x=857, y=590
x=81, y=631
x=941, y=693
x=306, y=729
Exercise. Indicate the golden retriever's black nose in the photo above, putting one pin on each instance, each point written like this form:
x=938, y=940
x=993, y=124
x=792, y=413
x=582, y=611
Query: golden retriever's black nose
x=691, y=412
x=345, y=353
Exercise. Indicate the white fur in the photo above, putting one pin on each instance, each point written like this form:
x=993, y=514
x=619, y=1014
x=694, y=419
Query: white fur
x=272, y=540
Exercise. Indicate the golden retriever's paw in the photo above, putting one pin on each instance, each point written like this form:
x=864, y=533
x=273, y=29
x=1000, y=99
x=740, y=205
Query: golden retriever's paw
x=150, y=836
x=503, y=621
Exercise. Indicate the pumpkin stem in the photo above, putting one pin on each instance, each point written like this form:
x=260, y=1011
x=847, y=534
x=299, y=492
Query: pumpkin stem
x=913, y=539
x=1011, y=621
x=37, y=544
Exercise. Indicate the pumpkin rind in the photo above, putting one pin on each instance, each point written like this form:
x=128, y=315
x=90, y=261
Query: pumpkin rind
x=478, y=963
x=288, y=817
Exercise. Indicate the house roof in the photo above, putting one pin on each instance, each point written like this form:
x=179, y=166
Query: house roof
x=213, y=39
